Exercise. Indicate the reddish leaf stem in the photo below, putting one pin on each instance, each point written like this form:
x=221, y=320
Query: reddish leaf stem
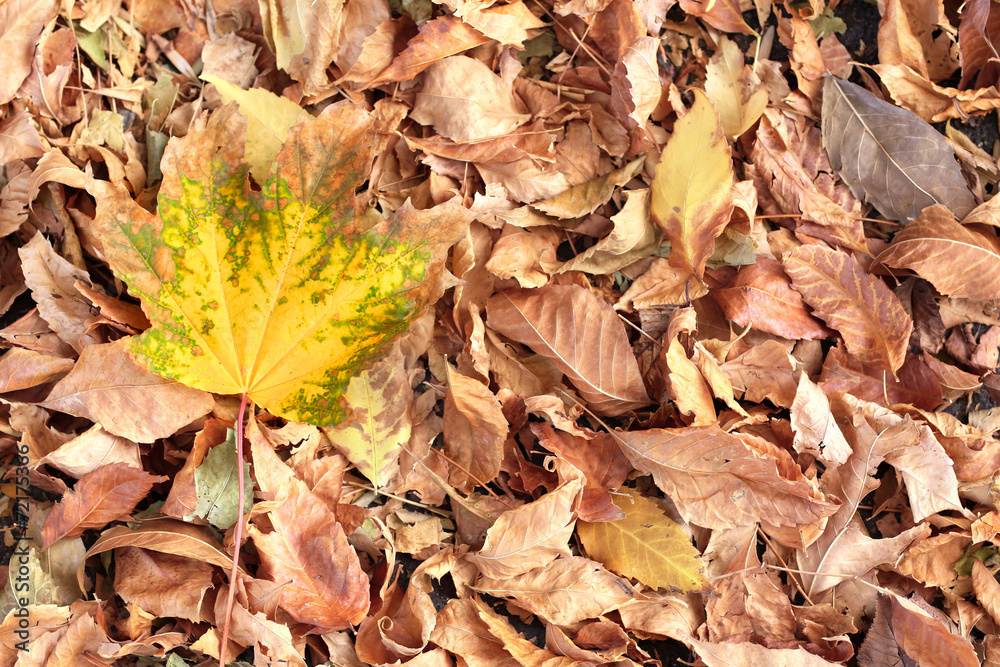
x=238, y=535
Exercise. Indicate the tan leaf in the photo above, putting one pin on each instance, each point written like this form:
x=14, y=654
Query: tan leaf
x=764, y=371
x=867, y=314
x=21, y=369
x=814, y=427
x=108, y=387
x=98, y=498
x=561, y=322
x=661, y=285
x=21, y=22
x=531, y=535
x=916, y=385
x=527, y=255
x=163, y=584
x=762, y=297
x=987, y=589
x=646, y=545
x=724, y=15
x=51, y=278
x=747, y=654
x=566, y=591
x=474, y=431
x=438, y=38
x=583, y=199
x=88, y=451
x=18, y=138
x=692, y=190
x=465, y=101
x=688, y=388
x=717, y=481
x=632, y=238
x=599, y=459
x=927, y=640
x=958, y=260
x=507, y=24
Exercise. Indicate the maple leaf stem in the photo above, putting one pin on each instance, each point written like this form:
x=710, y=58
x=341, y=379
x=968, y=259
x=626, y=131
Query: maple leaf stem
x=238, y=535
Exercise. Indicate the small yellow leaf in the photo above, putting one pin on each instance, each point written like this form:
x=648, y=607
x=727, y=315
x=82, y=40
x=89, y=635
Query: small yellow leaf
x=734, y=89
x=646, y=545
x=269, y=117
x=693, y=186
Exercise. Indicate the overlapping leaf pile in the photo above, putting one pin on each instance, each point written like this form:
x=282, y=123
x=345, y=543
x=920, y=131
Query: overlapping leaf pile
x=580, y=332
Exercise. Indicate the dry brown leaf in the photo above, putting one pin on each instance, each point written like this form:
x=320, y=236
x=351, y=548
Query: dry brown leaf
x=438, y=38
x=530, y=536
x=814, y=427
x=958, y=260
x=916, y=384
x=91, y=449
x=762, y=297
x=927, y=640
x=747, y=654
x=474, y=432
x=717, y=481
x=163, y=584
x=688, y=388
x=987, y=589
x=465, y=101
x=560, y=322
x=21, y=369
x=21, y=22
x=601, y=462
x=98, y=498
x=566, y=591
x=764, y=372
x=978, y=28
x=661, y=285
x=108, y=387
x=910, y=33
x=867, y=314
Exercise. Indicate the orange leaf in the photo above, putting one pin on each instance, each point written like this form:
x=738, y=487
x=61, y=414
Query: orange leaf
x=867, y=314
x=109, y=493
x=926, y=640
x=474, y=431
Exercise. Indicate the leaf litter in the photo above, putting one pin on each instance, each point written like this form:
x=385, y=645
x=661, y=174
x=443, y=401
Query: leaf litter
x=562, y=333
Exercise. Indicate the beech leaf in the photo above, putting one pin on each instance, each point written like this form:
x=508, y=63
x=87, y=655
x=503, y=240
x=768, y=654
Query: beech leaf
x=646, y=545
x=281, y=294
x=872, y=321
x=888, y=156
x=959, y=261
x=561, y=323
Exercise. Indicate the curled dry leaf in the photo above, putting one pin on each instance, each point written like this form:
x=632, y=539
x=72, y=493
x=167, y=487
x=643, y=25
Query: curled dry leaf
x=718, y=481
x=734, y=89
x=959, y=261
x=561, y=323
x=862, y=308
x=895, y=161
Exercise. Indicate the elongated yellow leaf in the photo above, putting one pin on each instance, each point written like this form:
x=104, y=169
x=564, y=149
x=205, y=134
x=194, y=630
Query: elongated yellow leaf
x=734, y=89
x=646, y=545
x=692, y=189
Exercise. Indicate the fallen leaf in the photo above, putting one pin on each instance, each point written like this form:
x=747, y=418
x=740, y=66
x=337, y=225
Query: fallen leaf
x=734, y=89
x=688, y=388
x=762, y=297
x=747, y=654
x=266, y=266
x=557, y=321
x=583, y=199
x=474, y=431
x=530, y=536
x=814, y=427
x=21, y=369
x=21, y=23
x=724, y=15
x=380, y=423
x=717, y=481
x=927, y=639
x=98, y=498
x=566, y=591
x=303, y=37
x=465, y=101
x=646, y=545
x=865, y=312
x=216, y=481
x=889, y=157
x=162, y=584
x=91, y=449
x=956, y=259
x=109, y=388
x=692, y=189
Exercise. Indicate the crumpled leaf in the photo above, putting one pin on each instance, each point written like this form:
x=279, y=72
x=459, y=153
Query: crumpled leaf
x=98, y=498
x=872, y=321
x=279, y=294
x=646, y=545
x=566, y=591
x=692, y=190
x=560, y=322
x=633, y=237
x=718, y=481
x=892, y=159
x=959, y=261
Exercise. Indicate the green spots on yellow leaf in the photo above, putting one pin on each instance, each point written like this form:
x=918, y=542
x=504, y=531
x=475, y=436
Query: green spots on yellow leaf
x=275, y=293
